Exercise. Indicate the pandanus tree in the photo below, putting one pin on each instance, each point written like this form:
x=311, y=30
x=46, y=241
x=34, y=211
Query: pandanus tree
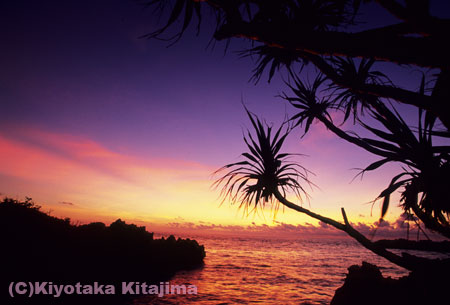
x=427, y=172
x=267, y=174
x=291, y=34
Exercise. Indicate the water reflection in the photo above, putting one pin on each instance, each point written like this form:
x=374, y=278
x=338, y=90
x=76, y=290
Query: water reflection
x=261, y=271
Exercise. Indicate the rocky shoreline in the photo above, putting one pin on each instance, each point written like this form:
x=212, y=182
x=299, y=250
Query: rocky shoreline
x=41, y=248
x=365, y=284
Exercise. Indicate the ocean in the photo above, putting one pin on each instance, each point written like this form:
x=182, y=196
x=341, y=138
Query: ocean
x=271, y=271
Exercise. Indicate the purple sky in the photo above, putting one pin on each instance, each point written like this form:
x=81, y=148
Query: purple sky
x=78, y=69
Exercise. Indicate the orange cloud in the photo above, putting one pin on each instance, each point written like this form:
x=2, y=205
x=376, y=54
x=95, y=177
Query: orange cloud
x=106, y=184
x=66, y=168
x=374, y=231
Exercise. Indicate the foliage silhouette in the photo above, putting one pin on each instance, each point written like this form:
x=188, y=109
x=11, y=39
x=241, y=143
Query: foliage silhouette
x=266, y=166
x=427, y=164
x=40, y=247
x=322, y=33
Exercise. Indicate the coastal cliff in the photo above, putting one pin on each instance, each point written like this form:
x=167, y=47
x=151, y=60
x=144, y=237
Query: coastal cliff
x=39, y=247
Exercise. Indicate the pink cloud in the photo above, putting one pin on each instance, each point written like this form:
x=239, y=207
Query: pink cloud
x=26, y=161
x=53, y=168
x=27, y=152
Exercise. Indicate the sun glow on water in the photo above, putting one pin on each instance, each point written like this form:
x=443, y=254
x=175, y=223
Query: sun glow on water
x=271, y=271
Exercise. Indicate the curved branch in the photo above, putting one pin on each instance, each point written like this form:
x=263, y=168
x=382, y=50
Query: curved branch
x=395, y=8
x=300, y=209
x=432, y=103
x=398, y=94
x=424, y=51
x=354, y=140
x=422, y=245
x=393, y=30
x=406, y=261
x=430, y=223
x=417, y=17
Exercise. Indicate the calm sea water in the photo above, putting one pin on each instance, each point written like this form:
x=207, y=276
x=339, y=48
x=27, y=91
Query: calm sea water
x=270, y=271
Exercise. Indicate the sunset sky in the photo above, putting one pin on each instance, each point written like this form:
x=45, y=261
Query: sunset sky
x=97, y=123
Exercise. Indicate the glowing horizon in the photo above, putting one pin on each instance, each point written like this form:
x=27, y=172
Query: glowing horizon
x=81, y=179
x=98, y=124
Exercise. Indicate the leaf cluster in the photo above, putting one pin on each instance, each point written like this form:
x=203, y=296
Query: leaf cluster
x=265, y=169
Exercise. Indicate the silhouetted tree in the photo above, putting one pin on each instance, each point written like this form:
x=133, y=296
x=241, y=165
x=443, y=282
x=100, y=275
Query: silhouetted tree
x=293, y=33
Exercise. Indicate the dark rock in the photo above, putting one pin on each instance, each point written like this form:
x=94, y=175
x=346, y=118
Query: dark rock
x=39, y=247
x=365, y=285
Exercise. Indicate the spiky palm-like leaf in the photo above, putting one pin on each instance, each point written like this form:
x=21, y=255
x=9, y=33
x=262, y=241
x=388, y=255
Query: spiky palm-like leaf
x=425, y=194
x=264, y=171
x=425, y=182
x=188, y=8
x=306, y=99
x=273, y=56
x=350, y=101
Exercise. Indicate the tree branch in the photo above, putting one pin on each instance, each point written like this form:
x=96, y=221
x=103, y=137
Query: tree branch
x=408, y=262
x=395, y=8
x=383, y=91
x=392, y=30
x=429, y=222
x=422, y=245
x=417, y=16
x=433, y=104
x=354, y=140
x=424, y=51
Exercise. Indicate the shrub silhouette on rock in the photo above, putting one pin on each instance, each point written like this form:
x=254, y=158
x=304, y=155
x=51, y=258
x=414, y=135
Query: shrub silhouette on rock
x=38, y=247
